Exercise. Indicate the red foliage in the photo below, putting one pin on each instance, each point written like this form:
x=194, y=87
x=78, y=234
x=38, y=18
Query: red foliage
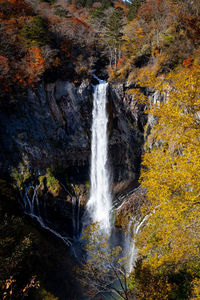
x=188, y=62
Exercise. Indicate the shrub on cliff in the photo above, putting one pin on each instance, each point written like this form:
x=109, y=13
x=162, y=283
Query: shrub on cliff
x=35, y=32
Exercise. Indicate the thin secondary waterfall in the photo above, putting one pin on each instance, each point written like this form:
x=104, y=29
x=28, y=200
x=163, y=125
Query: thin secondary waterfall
x=32, y=208
x=99, y=204
x=133, y=250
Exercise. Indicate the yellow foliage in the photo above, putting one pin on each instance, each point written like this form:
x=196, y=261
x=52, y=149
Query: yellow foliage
x=172, y=172
x=196, y=289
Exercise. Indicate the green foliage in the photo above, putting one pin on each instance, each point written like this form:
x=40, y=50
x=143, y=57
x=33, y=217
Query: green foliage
x=89, y=3
x=20, y=175
x=114, y=26
x=131, y=282
x=60, y=11
x=97, y=13
x=36, y=32
x=168, y=39
x=133, y=9
x=107, y=3
x=87, y=185
x=52, y=183
x=45, y=295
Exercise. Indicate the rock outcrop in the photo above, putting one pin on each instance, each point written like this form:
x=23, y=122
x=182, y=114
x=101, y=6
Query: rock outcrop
x=47, y=128
x=126, y=133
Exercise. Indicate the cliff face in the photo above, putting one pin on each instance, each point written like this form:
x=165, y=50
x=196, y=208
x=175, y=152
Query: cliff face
x=126, y=133
x=45, y=150
x=50, y=128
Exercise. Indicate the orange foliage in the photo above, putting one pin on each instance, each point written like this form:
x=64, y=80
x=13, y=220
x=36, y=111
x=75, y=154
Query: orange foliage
x=36, y=63
x=188, y=62
x=155, y=51
x=139, y=32
x=120, y=61
x=54, y=19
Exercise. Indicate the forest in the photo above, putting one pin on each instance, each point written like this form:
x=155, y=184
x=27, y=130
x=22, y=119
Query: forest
x=152, y=49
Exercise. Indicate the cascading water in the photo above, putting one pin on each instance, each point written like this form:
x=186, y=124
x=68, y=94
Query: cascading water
x=132, y=248
x=32, y=208
x=99, y=204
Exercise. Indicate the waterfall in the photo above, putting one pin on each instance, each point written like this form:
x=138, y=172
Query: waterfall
x=31, y=207
x=132, y=248
x=99, y=204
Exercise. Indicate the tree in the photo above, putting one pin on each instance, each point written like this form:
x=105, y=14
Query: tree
x=171, y=175
x=35, y=32
x=133, y=9
x=103, y=271
x=113, y=35
x=36, y=64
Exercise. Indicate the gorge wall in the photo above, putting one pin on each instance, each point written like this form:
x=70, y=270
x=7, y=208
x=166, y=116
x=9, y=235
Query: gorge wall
x=49, y=127
x=45, y=145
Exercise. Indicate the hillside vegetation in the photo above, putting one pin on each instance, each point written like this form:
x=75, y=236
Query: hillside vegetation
x=152, y=44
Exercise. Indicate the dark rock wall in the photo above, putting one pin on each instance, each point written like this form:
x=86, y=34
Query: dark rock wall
x=48, y=128
x=126, y=133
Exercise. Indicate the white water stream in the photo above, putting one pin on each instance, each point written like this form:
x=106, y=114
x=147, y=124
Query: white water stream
x=133, y=251
x=99, y=204
x=32, y=208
